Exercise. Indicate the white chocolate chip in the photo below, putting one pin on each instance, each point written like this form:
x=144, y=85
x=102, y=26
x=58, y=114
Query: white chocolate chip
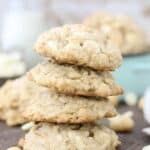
x=146, y=147
x=11, y=65
x=129, y=113
x=131, y=99
x=14, y=148
x=146, y=108
x=27, y=126
x=146, y=131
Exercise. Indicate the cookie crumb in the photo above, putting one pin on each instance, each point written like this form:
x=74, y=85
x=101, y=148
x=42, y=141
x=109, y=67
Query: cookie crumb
x=122, y=123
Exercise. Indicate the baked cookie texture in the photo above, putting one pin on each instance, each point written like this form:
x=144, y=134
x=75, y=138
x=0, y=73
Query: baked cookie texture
x=10, y=99
x=14, y=95
x=79, y=45
x=74, y=80
x=70, y=137
x=121, y=30
x=48, y=106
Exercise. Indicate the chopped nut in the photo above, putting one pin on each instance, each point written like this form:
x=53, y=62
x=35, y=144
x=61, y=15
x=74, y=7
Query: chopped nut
x=27, y=126
x=122, y=123
x=146, y=147
x=114, y=100
x=14, y=148
x=131, y=99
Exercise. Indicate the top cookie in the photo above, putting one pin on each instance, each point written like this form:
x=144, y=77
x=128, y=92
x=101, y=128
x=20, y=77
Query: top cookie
x=119, y=29
x=79, y=45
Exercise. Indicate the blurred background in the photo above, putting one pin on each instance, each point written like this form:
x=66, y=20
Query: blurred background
x=22, y=21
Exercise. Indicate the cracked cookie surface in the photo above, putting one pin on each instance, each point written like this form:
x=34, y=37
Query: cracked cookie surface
x=70, y=137
x=49, y=106
x=74, y=80
x=79, y=45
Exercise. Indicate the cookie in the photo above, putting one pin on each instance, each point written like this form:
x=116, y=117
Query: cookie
x=70, y=137
x=102, y=23
x=97, y=20
x=74, y=80
x=79, y=45
x=49, y=106
x=10, y=100
x=121, y=30
x=134, y=40
x=13, y=96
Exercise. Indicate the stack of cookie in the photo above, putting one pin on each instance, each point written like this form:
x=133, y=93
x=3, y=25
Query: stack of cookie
x=77, y=81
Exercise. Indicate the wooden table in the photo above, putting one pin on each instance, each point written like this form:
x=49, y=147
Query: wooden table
x=135, y=140
x=130, y=141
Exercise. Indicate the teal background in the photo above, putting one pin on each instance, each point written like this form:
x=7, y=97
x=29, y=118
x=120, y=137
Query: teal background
x=134, y=74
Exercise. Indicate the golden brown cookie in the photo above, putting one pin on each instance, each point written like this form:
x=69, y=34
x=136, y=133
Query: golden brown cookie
x=53, y=107
x=79, y=45
x=74, y=80
x=121, y=30
x=70, y=137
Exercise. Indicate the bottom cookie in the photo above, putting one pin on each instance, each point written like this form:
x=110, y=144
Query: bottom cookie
x=44, y=136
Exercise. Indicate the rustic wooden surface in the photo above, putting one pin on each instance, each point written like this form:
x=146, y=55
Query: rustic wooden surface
x=135, y=140
x=130, y=141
